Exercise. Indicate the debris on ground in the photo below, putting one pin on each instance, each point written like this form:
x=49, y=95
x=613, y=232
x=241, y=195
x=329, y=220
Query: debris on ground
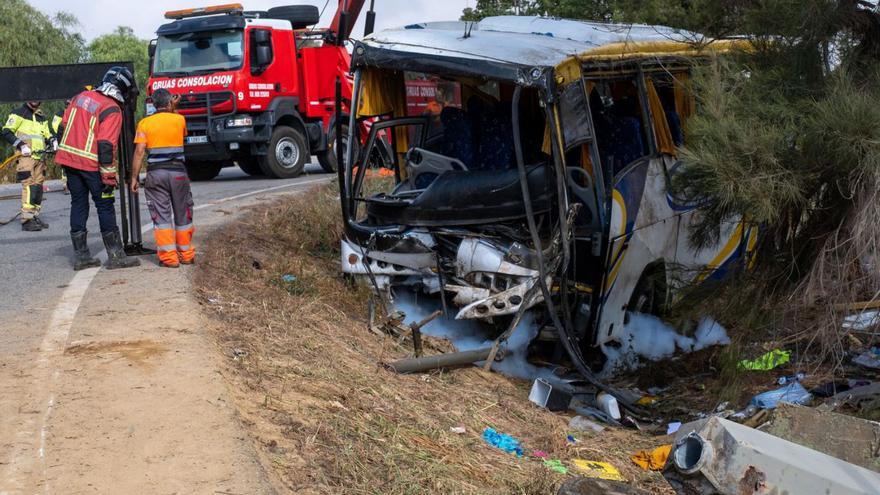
x=794, y=393
x=654, y=460
x=598, y=470
x=502, y=441
x=869, y=359
x=719, y=456
x=580, y=423
x=766, y=362
x=545, y=395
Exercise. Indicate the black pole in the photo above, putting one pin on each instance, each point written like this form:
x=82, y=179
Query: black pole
x=341, y=166
x=121, y=173
x=133, y=238
x=370, y=24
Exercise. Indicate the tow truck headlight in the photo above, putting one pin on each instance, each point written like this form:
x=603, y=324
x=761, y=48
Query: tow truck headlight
x=240, y=121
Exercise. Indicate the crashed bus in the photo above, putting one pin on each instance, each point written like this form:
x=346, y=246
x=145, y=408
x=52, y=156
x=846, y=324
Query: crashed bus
x=544, y=186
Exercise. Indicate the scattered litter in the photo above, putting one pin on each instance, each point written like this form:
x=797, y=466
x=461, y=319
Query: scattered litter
x=501, y=441
x=581, y=423
x=745, y=414
x=288, y=278
x=766, y=362
x=214, y=300
x=608, y=405
x=544, y=394
x=595, y=413
x=648, y=400
x=596, y=469
x=540, y=454
x=673, y=427
x=458, y=430
x=831, y=388
x=556, y=465
x=862, y=321
x=653, y=460
x=869, y=359
x=239, y=354
x=792, y=394
x=571, y=439
x=785, y=380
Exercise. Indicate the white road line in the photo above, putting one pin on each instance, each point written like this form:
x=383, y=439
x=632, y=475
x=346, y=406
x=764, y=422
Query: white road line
x=54, y=342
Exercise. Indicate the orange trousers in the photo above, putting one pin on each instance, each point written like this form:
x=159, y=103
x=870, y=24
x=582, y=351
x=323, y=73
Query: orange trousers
x=170, y=202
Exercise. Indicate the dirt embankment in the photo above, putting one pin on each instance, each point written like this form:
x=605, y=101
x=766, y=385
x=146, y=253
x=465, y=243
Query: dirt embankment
x=326, y=416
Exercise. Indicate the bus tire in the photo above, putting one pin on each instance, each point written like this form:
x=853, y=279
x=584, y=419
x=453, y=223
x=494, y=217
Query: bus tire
x=287, y=154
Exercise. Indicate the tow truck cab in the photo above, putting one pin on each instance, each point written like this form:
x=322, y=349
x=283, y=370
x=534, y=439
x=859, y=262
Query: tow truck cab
x=257, y=88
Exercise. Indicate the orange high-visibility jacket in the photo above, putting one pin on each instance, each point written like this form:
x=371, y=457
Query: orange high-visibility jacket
x=91, y=123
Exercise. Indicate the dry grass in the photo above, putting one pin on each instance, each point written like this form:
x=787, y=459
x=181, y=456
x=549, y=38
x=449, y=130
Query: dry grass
x=325, y=416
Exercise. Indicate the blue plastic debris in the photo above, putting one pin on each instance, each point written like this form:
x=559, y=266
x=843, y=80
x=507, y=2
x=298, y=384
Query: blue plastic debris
x=288, y=278
x=794, y=393
x=504, y=442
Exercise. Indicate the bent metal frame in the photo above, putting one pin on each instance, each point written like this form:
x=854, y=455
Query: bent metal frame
x=61, y=82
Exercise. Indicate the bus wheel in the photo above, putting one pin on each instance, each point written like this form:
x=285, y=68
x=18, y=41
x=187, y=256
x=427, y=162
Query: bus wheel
x=287, y=155
x=327, y=158
x=201, y=171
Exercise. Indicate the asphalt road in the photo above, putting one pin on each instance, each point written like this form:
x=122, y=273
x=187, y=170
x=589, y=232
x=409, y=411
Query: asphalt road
x=35, y=267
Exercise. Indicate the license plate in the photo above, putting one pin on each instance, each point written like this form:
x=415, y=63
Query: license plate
x=197, y=140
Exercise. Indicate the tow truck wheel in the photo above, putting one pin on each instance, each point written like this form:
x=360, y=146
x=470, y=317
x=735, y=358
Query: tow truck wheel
x=288, y=153
x=201, y=171
x=250, y=166
x=327, y=158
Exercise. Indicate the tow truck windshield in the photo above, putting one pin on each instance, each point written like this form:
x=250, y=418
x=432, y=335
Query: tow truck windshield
x=200, y=52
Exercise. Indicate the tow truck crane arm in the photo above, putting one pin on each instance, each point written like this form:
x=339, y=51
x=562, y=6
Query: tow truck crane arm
x=346, y=15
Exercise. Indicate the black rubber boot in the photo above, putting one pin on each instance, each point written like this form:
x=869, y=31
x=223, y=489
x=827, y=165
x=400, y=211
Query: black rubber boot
x=31, y=226
x=83, y=258
x=116, y=257
x=43, y=225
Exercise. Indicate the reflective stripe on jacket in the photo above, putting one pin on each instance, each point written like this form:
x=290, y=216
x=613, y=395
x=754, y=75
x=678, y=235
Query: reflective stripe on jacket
x=28, y=127
x=90, y=137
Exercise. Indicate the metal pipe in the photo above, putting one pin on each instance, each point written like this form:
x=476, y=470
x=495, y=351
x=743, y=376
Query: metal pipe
x=440, y=361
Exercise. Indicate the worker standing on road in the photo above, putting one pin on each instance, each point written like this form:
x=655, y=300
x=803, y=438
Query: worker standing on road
x=87, y=151
x=27, y=131
x=169, y=198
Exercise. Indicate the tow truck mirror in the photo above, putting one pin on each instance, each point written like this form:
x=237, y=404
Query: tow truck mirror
x=261, y=50
x=152, y=48
x=262, y=37
x=264, y=57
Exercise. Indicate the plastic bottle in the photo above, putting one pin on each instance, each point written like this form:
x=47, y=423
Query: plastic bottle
x=581, y=423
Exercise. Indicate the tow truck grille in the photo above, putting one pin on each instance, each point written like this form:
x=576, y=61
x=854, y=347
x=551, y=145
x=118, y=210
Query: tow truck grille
x=200, y=101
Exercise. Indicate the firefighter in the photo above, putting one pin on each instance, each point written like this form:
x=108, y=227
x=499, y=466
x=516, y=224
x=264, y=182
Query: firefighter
x=87, y=151
x=27, y=131
x=169, y=199
x=55, y=130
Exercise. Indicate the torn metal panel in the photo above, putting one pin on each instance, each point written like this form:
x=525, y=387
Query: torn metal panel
x=717, y=456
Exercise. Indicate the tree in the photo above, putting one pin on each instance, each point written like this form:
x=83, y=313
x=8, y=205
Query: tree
x=29, y=37
x=123, y=46
x=598, y=10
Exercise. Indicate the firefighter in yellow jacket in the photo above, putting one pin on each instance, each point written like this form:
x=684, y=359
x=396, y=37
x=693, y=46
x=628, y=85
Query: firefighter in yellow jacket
x=28, y=132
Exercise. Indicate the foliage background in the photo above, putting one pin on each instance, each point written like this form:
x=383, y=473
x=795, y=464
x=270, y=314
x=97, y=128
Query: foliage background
x=29, y=37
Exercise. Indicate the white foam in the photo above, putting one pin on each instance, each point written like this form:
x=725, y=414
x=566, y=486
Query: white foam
x=646, y=336
x=467, y=335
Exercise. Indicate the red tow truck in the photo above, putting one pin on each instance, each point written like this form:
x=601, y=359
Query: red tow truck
x=257, y=87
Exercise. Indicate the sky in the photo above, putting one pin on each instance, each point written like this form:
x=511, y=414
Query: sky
x=103, y=16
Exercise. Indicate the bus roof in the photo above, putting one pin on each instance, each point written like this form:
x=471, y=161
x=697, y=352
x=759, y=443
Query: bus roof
x=509, y=45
